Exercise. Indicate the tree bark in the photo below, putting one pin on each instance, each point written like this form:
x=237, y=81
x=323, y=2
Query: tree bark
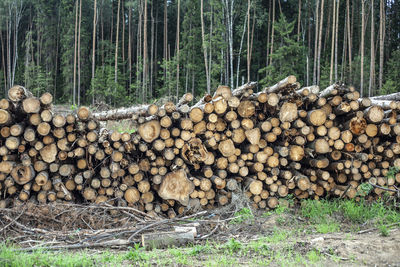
x=94, y=48
x=204, y=46
x=372, y=59
x=362, y=49
x=381, y=40
x=177, y=48
x=320, y=42
x=116, y=48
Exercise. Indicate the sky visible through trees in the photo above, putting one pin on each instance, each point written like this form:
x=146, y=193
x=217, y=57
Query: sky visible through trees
x=123, y=52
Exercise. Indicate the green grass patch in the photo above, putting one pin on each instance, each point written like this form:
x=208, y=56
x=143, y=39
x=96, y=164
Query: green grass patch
x=242, y=215
x=10, y=256
x=323, y=211
x=325, y=228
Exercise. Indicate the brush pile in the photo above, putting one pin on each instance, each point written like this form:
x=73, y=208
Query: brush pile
x=282, y=140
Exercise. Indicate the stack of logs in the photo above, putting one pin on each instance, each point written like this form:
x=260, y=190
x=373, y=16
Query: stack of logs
x=282, y=140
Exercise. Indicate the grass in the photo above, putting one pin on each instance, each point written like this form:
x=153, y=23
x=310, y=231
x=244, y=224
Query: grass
x=355, y=212
x=10, y=257
x=244, y=215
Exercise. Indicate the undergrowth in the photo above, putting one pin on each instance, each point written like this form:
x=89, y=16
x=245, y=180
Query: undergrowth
x=278, y=247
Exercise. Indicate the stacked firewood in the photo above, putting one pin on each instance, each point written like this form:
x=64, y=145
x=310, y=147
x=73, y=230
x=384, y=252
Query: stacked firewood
x=266, y=145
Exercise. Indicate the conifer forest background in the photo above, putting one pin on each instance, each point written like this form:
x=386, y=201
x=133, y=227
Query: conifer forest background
x=123, y=52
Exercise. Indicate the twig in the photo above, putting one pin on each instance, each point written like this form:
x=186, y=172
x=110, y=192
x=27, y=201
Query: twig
x=373, y=229
x=345, y=191
x=384, y=188
x=13, y=221
x=25, y=227
x=212, y=232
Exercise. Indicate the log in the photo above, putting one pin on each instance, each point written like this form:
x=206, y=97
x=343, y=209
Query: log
x=176, y=186
x=167, y=239
x=282, y=84
x=150, y=130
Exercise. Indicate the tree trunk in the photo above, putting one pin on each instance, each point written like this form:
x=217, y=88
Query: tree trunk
x=75, y=53
x=248, y=42
x=372, y=59
x=79, y=53
x=177, y=48
x=336, y=39
x=349, y=35
x=362, y=49
x=316, y=43
x=320, y=42
x=94, y=48
x=272, y=31
x=204, y=47
x=145, y=64
x=165, y=55
x=299, y=22
x=333, y=41
x=381, y=40
x=116, y=49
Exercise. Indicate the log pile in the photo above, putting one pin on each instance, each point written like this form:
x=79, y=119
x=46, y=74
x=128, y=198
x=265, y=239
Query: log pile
x=282, y=140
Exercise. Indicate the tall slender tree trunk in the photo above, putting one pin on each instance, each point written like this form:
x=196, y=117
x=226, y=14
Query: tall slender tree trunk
x=139, y=58
x=349, y=35
x=333, y=41
x=116, y=48
x=248, y=41
x=130, y=47
x=251, y=42
x=3, y=62
x=382, y=18
x=336, y=39
x=299, y=22
x=210, y=42
x=102, y=35
x=344, y=51
x=165, y=55
x=152, y=51
x=94, y=48
x=372, y=61
x=145, y=67
x=319, y=43
x=177, y=49
x=272, y=31
x=204, y=46
x=75, y=53
x=123, y=34
x=362, y=49
x=316, y=43
x=79, y=53
x=240, y=50
x=268, y=33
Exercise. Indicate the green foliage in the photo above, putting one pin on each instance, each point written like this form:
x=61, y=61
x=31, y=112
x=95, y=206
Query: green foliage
x=325, y=228
x=314, y=256
x=392, y=74
x=392, y=171
x=384, y=230
x=364, y=189
x=233, y=245
x=288, y=56
x=10, y=256
x=243, y=215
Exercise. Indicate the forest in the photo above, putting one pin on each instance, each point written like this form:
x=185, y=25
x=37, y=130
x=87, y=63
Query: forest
x=122, y=52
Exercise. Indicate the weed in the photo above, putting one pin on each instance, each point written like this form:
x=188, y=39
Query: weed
x=384, y=230
x=364, y=189
x=318, y=211
x=243, y=215
x=233, y=245
x=325, y=228
x=135, y=254
x=314, y=256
